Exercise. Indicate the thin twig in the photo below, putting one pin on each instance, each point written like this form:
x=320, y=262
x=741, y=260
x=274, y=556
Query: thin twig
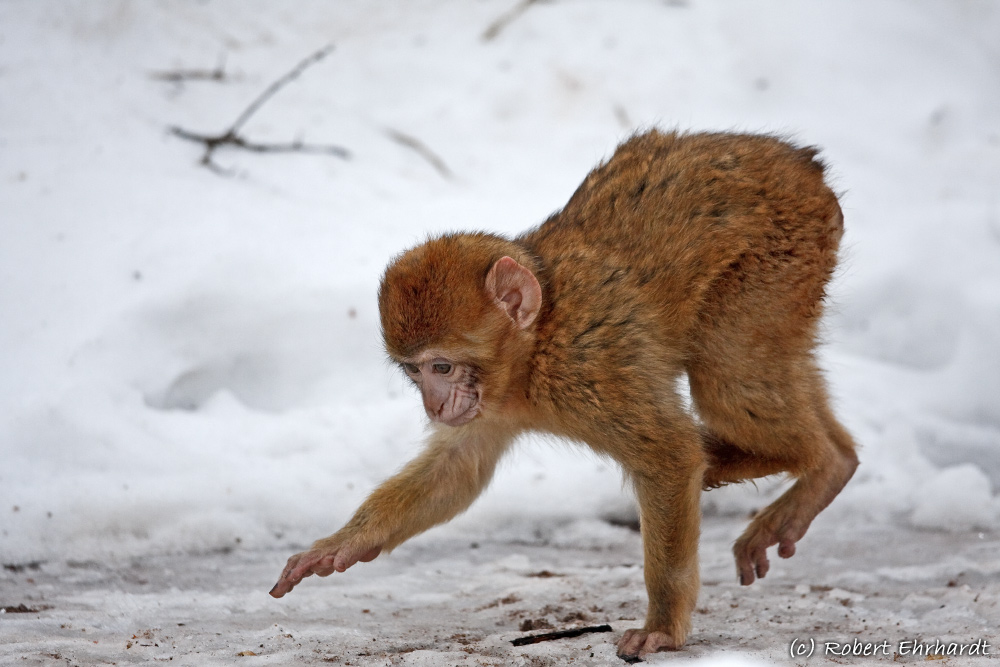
x=421, y=149
x=506, y=19
x=278, y=85
x=182, y=75
x=560, y=634
x=232, y=137
x=297, y=146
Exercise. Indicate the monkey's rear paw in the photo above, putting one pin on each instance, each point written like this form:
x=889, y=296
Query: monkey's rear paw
x=751, y=549
x=637, y=643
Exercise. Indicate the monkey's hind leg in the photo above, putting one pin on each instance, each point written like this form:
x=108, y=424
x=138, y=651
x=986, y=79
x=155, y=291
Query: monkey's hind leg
x=728, y=464
x=780, y=425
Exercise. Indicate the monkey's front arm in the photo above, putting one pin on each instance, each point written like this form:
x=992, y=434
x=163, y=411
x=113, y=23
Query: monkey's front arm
x=451, y=472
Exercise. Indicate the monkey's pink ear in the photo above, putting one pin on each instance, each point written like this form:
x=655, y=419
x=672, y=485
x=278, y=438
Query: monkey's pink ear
x=515, y=291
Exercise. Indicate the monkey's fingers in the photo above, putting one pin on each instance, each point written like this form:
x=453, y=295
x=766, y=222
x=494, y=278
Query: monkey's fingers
x=349, y=556
x=298, y=567
x=370, y=555
x=284, y=585
x=290, y=565
x=324, y=566
x=311, y=562
x=321, y=562
x=281, y=588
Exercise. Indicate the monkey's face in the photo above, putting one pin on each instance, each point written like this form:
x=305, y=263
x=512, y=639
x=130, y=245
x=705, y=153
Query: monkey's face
x=450, y=390
x=457, y=315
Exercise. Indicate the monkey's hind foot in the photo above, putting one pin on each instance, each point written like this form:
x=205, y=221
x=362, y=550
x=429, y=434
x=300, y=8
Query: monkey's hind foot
x=637, y=643
x=786, y=521
x=751, y=549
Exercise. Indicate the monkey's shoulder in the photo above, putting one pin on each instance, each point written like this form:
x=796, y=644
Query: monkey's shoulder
x=595, y=313
x=605, y=355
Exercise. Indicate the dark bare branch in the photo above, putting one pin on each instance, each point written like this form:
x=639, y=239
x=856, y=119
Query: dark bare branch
x=278, y=85
x=506, y=19
x=421, y=149
x=182, y=75
x=296, y=146
x=560, y=634
x=232, y=136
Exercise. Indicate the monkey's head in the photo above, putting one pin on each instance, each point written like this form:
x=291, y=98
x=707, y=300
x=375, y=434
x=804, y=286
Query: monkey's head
x=457, y=315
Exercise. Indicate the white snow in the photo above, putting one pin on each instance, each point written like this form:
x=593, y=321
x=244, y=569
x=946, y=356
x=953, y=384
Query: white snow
x=957, y=498
x=190, y=367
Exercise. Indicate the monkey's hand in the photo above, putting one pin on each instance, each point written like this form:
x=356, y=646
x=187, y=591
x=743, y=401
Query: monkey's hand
x=326, y=556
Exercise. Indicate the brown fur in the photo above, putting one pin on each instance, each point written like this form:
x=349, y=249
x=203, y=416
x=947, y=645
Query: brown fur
x=704, y=254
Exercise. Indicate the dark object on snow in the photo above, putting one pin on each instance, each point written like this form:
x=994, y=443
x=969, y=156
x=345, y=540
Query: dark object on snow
x=232, y=136
x=24, y=609
x=560, y=634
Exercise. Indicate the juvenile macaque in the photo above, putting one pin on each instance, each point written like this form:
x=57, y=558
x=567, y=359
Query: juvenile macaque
x=704, y=254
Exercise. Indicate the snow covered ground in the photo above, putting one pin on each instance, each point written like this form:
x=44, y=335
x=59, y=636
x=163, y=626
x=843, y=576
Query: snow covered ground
x=191, y=383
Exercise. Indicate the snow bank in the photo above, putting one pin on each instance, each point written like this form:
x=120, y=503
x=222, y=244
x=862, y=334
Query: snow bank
x=957, y=499
x=191, y=362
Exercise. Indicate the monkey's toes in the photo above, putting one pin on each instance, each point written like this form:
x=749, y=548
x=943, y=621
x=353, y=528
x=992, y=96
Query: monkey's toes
x=637, y=643
x=751, y=559
x=786, y=548
x=776, y=525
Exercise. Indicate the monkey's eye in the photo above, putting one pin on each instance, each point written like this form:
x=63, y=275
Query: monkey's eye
x=442, y=368
x=412, y=369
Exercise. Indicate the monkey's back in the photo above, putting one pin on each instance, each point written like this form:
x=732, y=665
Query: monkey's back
x=692, y=227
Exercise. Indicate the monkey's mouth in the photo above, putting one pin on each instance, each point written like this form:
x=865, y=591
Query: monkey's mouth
x=462, y=409
x=463, y=418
